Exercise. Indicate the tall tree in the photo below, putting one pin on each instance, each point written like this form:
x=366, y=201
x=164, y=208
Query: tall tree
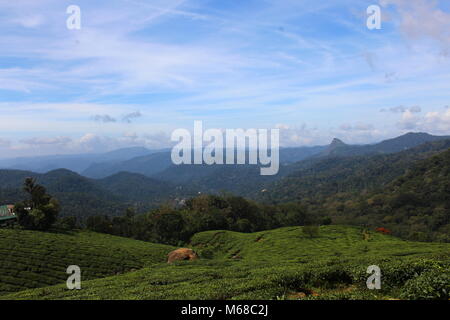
x=40, y=211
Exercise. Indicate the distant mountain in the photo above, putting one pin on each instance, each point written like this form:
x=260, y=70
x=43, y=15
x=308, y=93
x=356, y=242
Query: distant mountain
x=404, y=142
x=82, y=197
x=79, y=196
x=246, y=179
x=294, y=154
x=160, y=166
x=332, y=175
x=139, y=188
x=76, y=163
x=237, y=179
x=336, y=146
x=306, y=172
x=147, y=165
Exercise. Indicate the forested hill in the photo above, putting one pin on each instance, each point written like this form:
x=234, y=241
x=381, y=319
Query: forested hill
x=358, y=174
x=82, y=197
x=409, y=140
x=415, y=205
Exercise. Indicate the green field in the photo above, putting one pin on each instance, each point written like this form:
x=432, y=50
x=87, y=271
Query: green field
x=276, y=264
x=31, y=259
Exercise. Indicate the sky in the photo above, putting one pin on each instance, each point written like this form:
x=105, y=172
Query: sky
x=138, y=69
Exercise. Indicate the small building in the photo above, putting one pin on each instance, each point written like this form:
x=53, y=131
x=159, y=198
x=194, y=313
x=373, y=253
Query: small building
x=7, y=214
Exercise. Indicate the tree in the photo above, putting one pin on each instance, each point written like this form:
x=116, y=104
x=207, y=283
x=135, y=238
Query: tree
x=168, y=226
x=40, y=211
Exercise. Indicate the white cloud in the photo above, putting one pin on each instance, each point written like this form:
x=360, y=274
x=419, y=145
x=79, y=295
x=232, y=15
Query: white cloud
x=423, y=19
x=408, y=121
x=30, y=21
x=59, y=141
x=357, y=127
x=105, y=118
x=437, y=122
x=224, y=66
x=291, y=136
x=130, y=116
x=402, y=109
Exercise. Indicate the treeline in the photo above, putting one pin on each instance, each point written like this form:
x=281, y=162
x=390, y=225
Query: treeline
x=176, y=225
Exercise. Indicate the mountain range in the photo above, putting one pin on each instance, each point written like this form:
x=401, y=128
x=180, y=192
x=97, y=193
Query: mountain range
x=74, y=162
x=141, y=178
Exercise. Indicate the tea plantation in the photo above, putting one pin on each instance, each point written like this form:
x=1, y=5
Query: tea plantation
x=278, y=264
x=30, y=259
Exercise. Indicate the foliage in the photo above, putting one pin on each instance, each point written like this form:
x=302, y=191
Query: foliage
x=311, y=231
x=175, y=225
x=40, y=211
x=275, y=263
x=31, y=259
x=407, y=193
x=430, y=285
x=83, y=197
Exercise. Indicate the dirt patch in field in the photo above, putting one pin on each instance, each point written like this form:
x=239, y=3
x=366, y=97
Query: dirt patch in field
x=182, y=254
x=260, y=238
x=302, y=293
x=236, y=255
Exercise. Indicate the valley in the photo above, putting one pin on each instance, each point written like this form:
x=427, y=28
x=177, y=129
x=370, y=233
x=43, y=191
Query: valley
x=308, y=233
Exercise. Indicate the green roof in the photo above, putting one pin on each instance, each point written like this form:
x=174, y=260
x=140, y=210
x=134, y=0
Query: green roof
x=8, y=218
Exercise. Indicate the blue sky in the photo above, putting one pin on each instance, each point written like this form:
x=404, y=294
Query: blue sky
x=136, y=70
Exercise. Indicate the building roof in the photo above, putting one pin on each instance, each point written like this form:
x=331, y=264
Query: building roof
x=6, y=211
x=7, y=218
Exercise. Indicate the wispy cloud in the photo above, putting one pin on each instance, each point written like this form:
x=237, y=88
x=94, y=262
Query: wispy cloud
x=237, y=65
x=402, y=109
x=131, y=116
x=105, y=118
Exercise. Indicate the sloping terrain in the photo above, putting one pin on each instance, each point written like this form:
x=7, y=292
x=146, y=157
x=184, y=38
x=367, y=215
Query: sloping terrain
x=332, y=175
x=146, y=165
x=82, y=197
x=282, y=263
x=409, y=140
x=30, y=259
x=75, y=162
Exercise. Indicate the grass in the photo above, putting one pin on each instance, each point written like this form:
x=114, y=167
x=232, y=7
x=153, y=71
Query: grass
x=276, y=264
x=290, y=245
x=31, y=259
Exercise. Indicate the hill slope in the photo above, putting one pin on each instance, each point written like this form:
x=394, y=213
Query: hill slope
x=416, y=204
x=324, y=177
x=146, y=165
x=137, y=187
x=78, y=196
x=76, y=162
x=409, y=140
x=271, y=264
x=30, y=259
x=82, y=197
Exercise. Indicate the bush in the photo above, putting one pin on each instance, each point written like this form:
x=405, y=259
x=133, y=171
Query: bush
x=311, y=231
x=429, y=285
